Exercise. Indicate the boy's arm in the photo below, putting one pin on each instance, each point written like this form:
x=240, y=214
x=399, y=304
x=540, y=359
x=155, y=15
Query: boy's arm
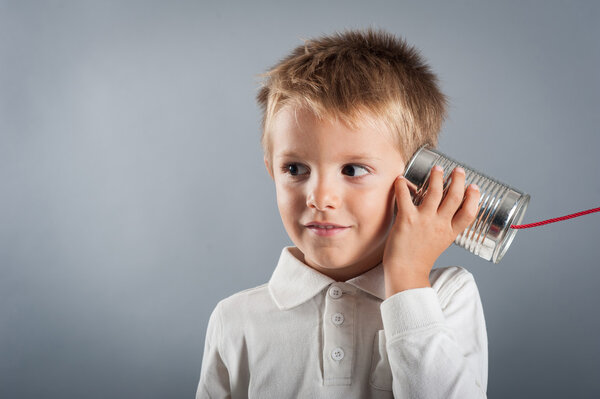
x=433, y=353
x=214, y=376
x=436, y=343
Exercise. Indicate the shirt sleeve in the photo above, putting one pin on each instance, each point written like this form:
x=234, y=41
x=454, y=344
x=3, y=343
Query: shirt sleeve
x=214, y=376
x=436, y=339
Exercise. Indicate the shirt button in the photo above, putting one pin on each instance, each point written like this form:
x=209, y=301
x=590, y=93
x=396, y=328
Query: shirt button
x=337, y=354
x=335, y=292
x=337, y=319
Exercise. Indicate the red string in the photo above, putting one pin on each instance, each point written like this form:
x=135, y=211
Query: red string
x=574, y=215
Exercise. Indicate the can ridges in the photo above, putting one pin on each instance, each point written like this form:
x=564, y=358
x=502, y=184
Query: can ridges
x=489, y=235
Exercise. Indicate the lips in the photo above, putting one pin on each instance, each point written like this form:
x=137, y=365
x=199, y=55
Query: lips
x=326, y=225
x=326, y=229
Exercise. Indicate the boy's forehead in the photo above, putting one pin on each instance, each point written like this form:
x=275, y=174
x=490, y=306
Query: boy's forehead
x=297, y=132
x=340, y=144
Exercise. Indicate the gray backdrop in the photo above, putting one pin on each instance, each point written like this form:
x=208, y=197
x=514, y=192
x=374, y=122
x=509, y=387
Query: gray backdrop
x=134, y=195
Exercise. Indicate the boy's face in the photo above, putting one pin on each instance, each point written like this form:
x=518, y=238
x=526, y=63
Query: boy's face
x=326, y=173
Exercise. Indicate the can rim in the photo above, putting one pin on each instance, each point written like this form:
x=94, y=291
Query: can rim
x=515, y=218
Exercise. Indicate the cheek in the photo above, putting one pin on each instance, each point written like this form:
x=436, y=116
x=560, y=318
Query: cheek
x=375, y=207
x=289, y=201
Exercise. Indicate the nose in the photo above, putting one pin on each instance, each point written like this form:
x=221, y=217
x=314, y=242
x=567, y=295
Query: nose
x=323, y=194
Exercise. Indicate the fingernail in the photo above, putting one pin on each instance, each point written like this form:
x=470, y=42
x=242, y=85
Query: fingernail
x=474, y=187
x=438, y=168
x=459, y=170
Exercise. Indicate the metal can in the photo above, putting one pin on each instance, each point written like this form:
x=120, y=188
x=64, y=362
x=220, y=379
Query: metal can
x=500, y=205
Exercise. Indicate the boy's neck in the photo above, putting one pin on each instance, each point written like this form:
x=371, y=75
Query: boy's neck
x=346, y=273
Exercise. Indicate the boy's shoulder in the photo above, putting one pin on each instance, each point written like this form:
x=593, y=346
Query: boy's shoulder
x=249, y=300
x=447, y=281
x=449, y=275
x=244, y=294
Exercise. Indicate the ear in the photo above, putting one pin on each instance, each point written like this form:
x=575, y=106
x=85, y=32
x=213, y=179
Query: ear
x=269, y=168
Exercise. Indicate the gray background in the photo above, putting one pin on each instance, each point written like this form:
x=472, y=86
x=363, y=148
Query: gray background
x=134, y=195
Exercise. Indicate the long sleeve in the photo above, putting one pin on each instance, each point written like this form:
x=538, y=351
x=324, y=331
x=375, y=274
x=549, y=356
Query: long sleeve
x=436, y=339
x=214, y=376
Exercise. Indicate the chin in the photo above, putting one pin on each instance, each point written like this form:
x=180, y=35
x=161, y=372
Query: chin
x=328, y=259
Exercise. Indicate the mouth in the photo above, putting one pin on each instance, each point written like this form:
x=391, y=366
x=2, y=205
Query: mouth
x=326, y=229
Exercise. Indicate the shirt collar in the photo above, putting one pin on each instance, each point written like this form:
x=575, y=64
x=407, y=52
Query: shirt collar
x=293, y=282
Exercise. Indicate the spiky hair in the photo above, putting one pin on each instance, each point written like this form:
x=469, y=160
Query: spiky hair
x=354, y=76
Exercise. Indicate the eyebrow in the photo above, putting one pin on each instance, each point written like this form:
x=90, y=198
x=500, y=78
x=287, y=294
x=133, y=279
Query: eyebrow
x=357, y=157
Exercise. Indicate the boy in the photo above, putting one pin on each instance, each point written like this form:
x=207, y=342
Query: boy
x=354, y=309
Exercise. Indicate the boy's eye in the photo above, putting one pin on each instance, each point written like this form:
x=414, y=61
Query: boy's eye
x=355, y=170
x=295, y=169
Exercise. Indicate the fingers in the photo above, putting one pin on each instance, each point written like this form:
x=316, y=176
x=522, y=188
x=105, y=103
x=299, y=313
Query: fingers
x=403, y=197
x=435, y=190
x=411, y=186
x=468, y=211
x=454, y=195
x=457, y=205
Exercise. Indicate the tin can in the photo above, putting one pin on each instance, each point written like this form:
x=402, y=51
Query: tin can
x=500, y=205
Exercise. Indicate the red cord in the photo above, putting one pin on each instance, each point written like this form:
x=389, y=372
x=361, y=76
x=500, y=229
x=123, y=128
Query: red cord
x=574, y=215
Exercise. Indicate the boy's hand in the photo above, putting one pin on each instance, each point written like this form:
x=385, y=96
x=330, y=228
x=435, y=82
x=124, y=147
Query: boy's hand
x=420, y=234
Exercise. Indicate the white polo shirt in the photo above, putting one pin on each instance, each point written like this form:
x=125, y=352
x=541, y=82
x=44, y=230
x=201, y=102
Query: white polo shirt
x=304, y=335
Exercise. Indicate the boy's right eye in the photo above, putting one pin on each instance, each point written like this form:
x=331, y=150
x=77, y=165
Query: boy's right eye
x=295, y=169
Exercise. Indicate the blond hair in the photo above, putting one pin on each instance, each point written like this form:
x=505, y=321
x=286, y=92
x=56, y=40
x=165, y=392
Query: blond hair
x=356, y=77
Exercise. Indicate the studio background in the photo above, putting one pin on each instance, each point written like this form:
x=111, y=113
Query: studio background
x=134, y=195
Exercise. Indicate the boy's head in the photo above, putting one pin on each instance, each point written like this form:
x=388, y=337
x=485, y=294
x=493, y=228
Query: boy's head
x=342, y=115
x=358, y=75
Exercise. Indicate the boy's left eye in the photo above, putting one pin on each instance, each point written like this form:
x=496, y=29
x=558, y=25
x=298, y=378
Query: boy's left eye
x=355, y=170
